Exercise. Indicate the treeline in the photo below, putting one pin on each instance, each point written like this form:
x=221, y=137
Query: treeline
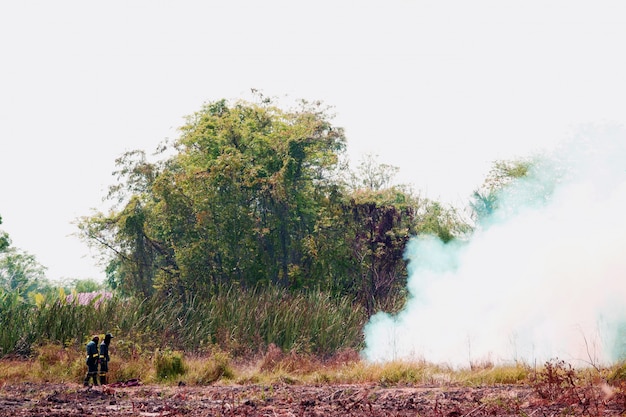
x=248, y=230
x=257, y=196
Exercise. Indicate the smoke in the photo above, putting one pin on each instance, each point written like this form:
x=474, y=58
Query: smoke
x=543, y=277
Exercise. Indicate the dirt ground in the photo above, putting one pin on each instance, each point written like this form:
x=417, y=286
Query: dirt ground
x=28, y=399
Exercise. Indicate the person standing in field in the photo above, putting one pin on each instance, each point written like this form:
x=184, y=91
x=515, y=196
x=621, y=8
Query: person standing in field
x=104, y=358
x=92, y=361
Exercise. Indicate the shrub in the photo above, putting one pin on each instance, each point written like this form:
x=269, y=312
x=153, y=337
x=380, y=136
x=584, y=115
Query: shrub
x=168, y=364
x=217, y=366
x=618, y=373
x=137, y=368
x=57, y=362
x=554, y=379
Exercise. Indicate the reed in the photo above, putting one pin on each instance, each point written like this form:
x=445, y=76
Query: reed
x=240, y=322
x=16, y=333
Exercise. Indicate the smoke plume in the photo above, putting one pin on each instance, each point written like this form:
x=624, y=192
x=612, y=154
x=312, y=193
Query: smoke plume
x=543, y=277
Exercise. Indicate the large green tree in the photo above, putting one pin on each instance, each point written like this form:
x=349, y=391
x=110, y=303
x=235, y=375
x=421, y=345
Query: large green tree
x=236, y=203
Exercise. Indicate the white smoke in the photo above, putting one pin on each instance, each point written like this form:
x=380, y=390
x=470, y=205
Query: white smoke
x=543, y=278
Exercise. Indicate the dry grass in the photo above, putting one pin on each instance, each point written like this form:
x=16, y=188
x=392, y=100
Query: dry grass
x=53, y=363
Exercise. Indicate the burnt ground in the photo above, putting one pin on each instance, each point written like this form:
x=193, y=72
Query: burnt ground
x=29, y=399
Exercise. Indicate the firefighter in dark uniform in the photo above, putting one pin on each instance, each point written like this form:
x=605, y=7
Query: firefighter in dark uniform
x=104, y=358
x=92, y=361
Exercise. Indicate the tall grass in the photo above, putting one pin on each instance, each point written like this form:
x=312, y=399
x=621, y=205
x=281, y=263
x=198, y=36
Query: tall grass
x=239, y=321
x=16, y=334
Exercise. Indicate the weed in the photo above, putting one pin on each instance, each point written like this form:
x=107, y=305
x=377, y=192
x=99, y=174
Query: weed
x=554, y=379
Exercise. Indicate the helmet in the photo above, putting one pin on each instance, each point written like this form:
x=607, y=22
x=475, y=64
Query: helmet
x=108, y=336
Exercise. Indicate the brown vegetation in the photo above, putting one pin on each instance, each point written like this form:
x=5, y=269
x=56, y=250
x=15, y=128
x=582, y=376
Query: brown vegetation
x=288, y=384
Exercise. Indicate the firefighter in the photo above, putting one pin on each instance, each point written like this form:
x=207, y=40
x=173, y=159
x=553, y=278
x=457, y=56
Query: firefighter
x=92, y=361
x=104, y=358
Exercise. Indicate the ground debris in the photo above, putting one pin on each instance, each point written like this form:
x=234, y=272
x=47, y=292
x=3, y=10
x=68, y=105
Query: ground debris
x=19, y=400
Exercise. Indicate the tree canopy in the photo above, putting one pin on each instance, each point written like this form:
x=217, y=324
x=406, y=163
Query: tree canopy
x=254, y=195
x=502, y=174
x=4, y=239
x=20, y=272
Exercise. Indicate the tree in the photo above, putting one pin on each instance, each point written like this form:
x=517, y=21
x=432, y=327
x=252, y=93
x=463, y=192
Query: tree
x=20, y=272
x=371, y=175
x=382, y=222
x=131, y=267
x=4, y=239
x=250, y=179
x=85, y=285
x=251, y=197
x=379, y=219
x=502, y=174
x=236, y=203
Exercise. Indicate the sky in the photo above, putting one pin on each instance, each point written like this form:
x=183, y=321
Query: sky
x=440, y=89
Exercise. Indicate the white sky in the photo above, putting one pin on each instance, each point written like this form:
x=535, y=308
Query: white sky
x=438, y=88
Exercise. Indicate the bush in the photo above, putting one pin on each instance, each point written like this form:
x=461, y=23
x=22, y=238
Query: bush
x=168, y=364
x=217, y=366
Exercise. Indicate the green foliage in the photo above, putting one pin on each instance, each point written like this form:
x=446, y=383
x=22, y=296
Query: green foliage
x=20, y=272
x=251, y=198
x=168, y=364
x=16, y=333
x=371, y=175
x=85, y=285
x=235, y=204
x=502, y=174
x=4, y=239
x=244, y=321
x=238, y=321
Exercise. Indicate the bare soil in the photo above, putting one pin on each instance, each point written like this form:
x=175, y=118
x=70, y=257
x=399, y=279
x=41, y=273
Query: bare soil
x=28, y=399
